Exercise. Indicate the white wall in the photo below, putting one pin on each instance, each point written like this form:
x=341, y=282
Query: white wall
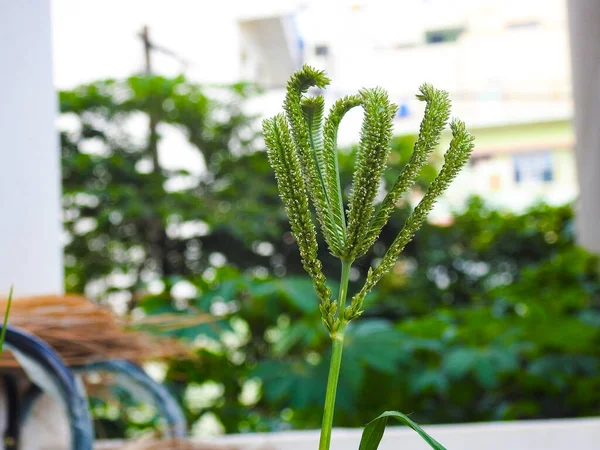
x=30, y=229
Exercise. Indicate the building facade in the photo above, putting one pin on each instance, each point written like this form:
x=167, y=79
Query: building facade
x=505, y=64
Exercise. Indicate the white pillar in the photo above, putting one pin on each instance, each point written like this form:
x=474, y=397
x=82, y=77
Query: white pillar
x=584, y=25
x=30, y=227
x=30, y=224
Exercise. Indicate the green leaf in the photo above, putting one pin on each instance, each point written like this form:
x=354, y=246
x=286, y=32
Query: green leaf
x=428, y=381
x=298, y=290
x=373, y=432
x=225, y=291
x=293, y=383
x=459, y=362
x=376, y=344
x=297, y=332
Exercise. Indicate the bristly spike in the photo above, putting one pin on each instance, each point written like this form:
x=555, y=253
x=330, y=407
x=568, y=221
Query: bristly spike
x=373, y=151
x=437, y=113
x=286, y=166
x=455, y=158
x=307, y=142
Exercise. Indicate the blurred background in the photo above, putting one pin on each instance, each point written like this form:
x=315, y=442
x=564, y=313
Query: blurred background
x=168, y=205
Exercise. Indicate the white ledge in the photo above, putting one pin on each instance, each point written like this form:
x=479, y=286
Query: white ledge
x=560, y=434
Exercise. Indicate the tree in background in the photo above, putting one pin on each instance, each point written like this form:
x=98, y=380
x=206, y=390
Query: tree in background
x=505, y=325
x=129, y=220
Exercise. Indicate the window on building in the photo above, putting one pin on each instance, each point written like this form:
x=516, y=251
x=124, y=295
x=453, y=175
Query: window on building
x=522, y=25
x=533, y=167
x=321, y=50
x=403, y=110
x=444, y=35
x=474, y=160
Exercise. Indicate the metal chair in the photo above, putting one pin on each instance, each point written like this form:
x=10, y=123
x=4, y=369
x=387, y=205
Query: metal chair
x=46, y=370
x=137, y=382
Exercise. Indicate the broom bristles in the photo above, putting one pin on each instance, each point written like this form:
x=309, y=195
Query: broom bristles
x=82, y=332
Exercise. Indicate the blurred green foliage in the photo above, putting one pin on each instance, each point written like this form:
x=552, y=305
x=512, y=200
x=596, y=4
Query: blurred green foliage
x=495, y=317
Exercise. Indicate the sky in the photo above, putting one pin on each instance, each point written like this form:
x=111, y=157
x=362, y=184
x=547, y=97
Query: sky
x=94, y=39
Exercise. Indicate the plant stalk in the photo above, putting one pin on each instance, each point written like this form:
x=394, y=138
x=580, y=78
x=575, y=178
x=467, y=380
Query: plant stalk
x=5, y=323
x=336, y=361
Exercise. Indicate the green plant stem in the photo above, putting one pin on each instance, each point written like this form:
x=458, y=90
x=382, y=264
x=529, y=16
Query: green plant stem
x=336, y=361
x=5, y=323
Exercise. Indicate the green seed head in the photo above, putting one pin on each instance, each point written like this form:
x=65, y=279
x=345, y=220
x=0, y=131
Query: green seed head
x=302, y=149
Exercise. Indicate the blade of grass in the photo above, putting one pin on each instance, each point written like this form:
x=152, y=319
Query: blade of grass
x=8, y=303
x=373, y=432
